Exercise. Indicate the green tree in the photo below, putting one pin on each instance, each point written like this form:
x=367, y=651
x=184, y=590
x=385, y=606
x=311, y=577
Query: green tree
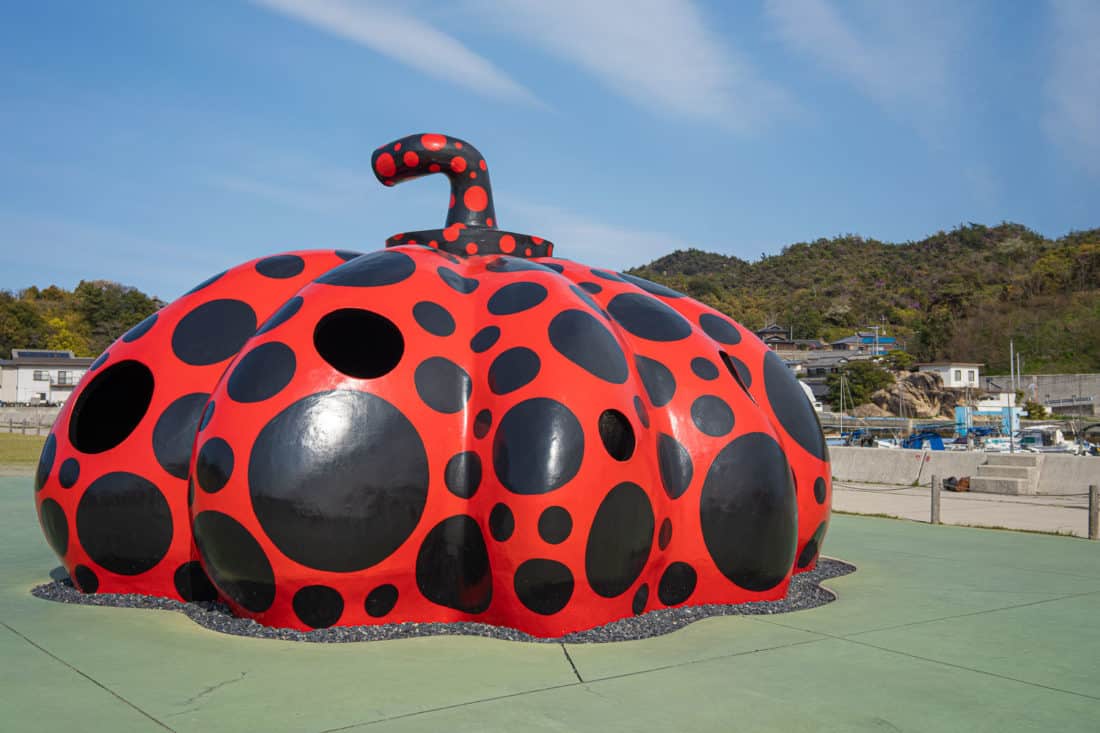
x=898, y=360
x=858, y=380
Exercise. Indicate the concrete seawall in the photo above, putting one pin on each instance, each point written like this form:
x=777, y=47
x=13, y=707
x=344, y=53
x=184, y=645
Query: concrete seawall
x=1059, y=475
x=27, y=420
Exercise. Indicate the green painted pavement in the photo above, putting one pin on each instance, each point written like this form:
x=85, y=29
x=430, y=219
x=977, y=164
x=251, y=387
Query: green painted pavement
x=941, y=628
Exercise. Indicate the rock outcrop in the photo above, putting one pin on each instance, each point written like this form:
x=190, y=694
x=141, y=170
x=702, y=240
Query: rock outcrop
x=917, y=394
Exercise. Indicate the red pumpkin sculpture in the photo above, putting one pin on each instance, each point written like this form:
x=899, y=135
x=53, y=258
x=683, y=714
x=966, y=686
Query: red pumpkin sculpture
x=458, y=427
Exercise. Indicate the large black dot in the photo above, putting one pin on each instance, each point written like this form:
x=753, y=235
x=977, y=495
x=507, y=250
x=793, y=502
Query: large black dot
x=675, y=465
x=813, y=546
x=378, y=268
x=749, y=514
x=619, y=541
x=588, y=300
x=516, y=297
x=213, y=332
x=544, y=586
x=657, y=379
x=237, y=563
x=462, y=475
x=643, y=414
x=338, y=480
x=286, y=311
x=124, y=523
x=641, y=597
x=513, y=369
x=484, y=339
x=712, y=415
x=719, y=329
x=318, y=606
x=616, y=434
x=820, y=491
x=651, y=287
x=538, y=446
x=591, y=287
x=381, y=600
x=501, y=522
x=54, y=525
x=45, y=462
x=347, y=254
x=434, y=318
x=174, y=433
x=452, y=566
x=85, y=579
x=99, y=361
x=262, y=373
x=443, y=385
x=139, y=330
x=555, y=524
x=677, y=583
x=515, y=264
x=69, y=473
x=464, y=285
x=360, y=343
x=792, y=408
x=704, y=368
x=214, y=465
x=482, y=422
x=192, y=583
x=110, y=407
x=281, y=266
x=581, y=339
x=648, y=318
x=664, y=534
x=739, y=371
x=207, y=282
x=605, y=275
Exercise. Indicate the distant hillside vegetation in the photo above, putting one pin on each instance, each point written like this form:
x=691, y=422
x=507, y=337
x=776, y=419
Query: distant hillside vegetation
x=956, y=295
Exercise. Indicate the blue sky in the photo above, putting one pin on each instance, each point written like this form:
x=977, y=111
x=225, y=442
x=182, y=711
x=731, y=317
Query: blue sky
x=154, y=143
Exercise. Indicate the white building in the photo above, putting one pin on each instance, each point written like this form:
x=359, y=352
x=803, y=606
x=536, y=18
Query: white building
x=956, y=375
x=40, y=377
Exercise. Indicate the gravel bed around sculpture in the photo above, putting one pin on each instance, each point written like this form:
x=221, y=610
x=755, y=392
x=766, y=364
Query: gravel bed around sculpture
x=805, y=592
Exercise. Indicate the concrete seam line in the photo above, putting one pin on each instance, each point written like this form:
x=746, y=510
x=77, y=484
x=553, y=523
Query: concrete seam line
x=566, y=651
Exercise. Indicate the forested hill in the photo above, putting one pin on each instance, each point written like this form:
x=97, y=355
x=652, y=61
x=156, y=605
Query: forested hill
x=957, y=295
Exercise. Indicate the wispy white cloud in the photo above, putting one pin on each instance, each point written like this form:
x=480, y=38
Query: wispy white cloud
x=296, y=183
x=1072, y=119
x=898, y=54
x=660, y=54
x=406, y=38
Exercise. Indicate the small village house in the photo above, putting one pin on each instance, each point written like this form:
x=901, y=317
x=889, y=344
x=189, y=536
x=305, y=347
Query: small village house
x=39, y=376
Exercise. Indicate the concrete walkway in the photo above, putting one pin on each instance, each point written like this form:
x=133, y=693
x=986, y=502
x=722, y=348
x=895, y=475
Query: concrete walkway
x=941, y=629
x=1060, y=514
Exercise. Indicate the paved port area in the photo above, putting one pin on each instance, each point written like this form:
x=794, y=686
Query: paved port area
x=941, y=628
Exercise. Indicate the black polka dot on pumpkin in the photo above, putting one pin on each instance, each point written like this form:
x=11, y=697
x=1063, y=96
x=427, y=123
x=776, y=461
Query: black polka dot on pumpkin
x=462, y=475
x=484, y=339
x=515, y=264
x=820, y=490
x=374, y=270
x=674, y=462
x=207, y=282
x=591, y=287
x=651, y=287
x=381, y=600
x=605, y=275
x=643, y=414
x=657, y=379
x=616, y=434
x=641, y=597
x=207, y=414
x=443, y=385
x=555, y=525
x=812, y=547
x=54, y=525
x=192, y=584
x=139, y=330
x=793, y=410
x=174, y=433
x=214, y=465
x=69, y=473
x=482, y=422
x=712, y=415
x=456, y=282
x=213, y=332
x=360, y=343
x=664, y=534
x=124, y=523
x=318, y=606
x=237, y=563
x=646, y=317
x=45, y=462
x=748, y=512
x=516, y=298
x=538, y=446
x=434, y=318
x=619, y=540
x=739, y=371
x=99, y=361
x=347, y=254
x=719, y=329
x=286, y=311
x=704, y=368
x=554, y=266
x=316, y=484
x=281, y=266
x=583, y=340
x=501, y=522
x=262, y=373
x=543, y=586
x=677, y=584
x=452, y=566
x=513, y=369
x=110, y=407
x=588, y=300
x=85, y=579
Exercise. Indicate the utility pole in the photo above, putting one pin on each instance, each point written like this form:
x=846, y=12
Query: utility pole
x=1012, y=404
